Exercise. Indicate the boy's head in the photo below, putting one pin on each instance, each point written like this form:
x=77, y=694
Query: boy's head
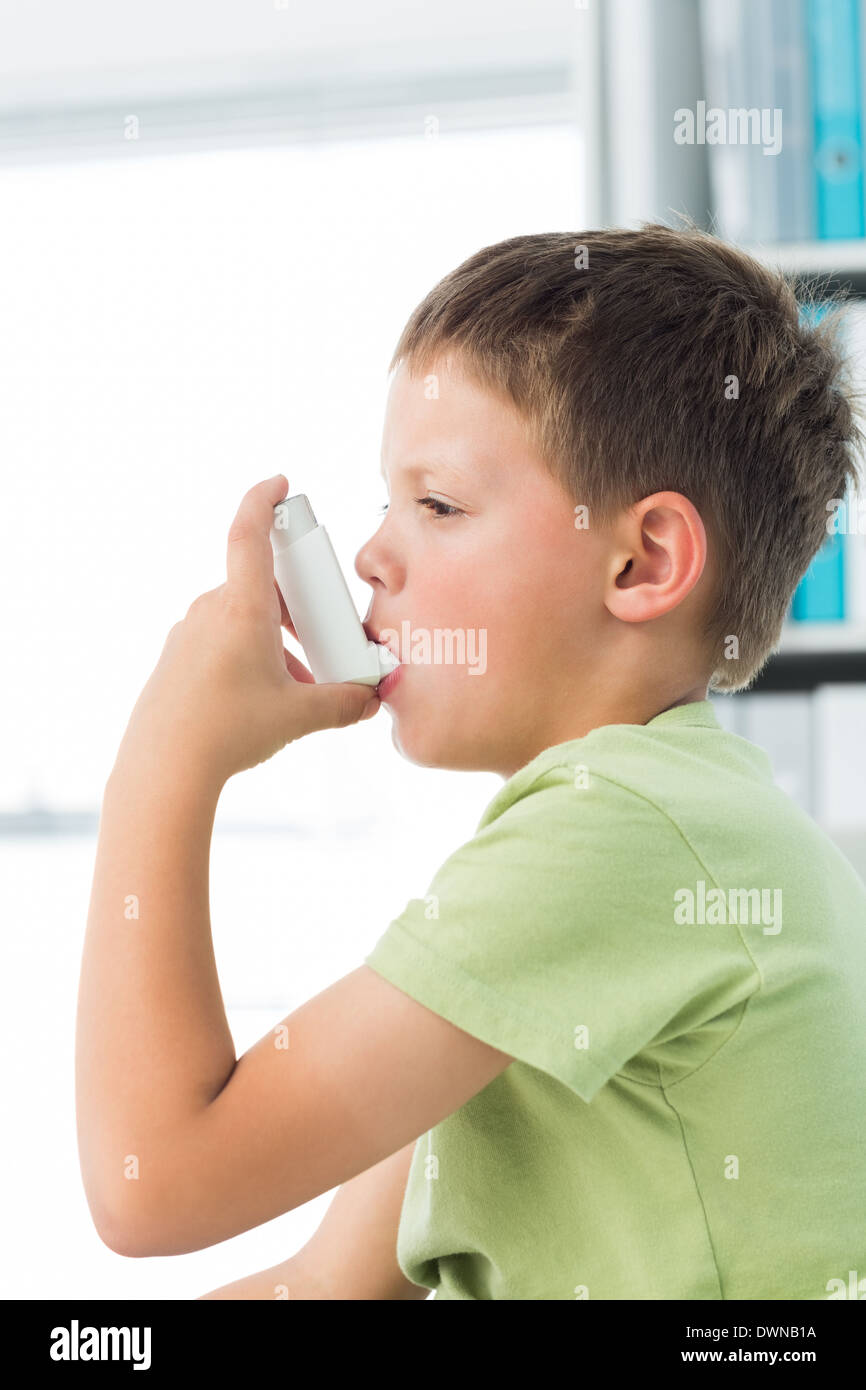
x=642, y=437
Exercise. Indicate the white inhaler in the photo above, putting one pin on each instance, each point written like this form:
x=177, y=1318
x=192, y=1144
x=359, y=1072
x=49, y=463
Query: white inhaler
x=317, y=596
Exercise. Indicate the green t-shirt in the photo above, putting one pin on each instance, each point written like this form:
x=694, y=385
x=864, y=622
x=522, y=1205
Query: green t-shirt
x=685, y=1115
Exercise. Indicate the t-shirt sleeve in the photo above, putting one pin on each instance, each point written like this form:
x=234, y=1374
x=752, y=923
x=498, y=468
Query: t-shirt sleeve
x=553, y=933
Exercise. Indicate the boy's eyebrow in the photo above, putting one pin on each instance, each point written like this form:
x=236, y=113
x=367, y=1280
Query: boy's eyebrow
x=413, y=470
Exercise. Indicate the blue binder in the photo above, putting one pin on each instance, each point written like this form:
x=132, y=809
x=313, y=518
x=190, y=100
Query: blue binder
x=820, y=595
x=834, y=43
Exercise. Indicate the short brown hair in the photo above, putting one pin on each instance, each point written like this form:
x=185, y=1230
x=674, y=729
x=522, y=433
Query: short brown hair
x=622, y=370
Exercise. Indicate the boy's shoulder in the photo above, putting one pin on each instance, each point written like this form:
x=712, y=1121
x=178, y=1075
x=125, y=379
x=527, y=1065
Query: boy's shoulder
x=632, y=808
x=680, y=760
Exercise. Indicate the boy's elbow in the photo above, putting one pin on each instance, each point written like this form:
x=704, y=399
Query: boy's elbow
x=116, y=1233
x=130, y=1229
x=117, y=1239
x=138, y=1235
x=138, y=1219
x=115, y=1226
x=137, y=1239
x=163, y=1210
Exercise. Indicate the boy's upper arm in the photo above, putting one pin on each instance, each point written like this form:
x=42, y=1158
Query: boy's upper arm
x=352, y=1076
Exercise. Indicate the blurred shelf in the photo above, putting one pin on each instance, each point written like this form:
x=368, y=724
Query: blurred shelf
x=813, y=654
x=835, y=264
x=823, y=637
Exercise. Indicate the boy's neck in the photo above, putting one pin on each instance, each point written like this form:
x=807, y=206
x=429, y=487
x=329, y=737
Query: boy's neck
x=622, y=712
x=698, y=693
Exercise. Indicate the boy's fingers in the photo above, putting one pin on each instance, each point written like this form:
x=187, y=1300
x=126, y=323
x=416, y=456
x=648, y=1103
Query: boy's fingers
x=249, y=555
x=335, y=705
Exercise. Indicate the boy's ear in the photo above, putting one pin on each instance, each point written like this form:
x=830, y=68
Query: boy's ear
x=660, y=550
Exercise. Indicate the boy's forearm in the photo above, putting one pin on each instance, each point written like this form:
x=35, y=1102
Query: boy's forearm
x=152, y=1040
x=283, y=1281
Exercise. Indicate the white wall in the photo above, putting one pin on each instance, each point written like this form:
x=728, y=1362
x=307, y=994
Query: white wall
x=53, y=51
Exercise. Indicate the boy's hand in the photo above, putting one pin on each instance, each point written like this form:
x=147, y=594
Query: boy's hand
x=226, y=694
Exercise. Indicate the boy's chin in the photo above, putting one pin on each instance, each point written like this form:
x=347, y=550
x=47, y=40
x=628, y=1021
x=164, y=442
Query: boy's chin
x=426, y=746
x=416, y=746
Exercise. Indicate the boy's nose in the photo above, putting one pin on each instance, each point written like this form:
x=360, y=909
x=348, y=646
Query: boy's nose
x=361, y=565
x=369, y=560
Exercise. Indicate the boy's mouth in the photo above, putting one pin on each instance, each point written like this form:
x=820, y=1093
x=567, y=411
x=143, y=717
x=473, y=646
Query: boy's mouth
x=374, y=637
x=387, y=683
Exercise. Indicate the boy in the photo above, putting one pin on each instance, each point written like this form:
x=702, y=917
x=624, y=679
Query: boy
x=616, y=1051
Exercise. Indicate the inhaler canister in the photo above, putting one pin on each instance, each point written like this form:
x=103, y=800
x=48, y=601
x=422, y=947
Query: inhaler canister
x=317, y=596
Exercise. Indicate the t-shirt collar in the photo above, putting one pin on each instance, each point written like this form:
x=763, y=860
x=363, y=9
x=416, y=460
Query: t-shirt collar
x=697, y=712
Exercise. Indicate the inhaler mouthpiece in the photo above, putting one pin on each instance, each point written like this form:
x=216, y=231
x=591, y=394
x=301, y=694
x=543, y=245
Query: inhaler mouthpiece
x=319, y=602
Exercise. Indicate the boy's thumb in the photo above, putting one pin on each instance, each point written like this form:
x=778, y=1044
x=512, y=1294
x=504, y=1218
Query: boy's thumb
x=335, y=705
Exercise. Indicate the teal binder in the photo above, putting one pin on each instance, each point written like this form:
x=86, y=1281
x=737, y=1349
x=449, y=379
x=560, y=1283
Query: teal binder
x=820, y=595
x=834, y=42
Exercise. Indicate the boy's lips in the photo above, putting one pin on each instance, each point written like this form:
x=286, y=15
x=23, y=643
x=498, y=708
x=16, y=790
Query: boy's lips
x=373, y=635
x=387, y=683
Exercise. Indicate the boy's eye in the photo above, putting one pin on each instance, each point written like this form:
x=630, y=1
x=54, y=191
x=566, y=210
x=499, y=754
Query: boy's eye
x=433, y=504
x=445, y=508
